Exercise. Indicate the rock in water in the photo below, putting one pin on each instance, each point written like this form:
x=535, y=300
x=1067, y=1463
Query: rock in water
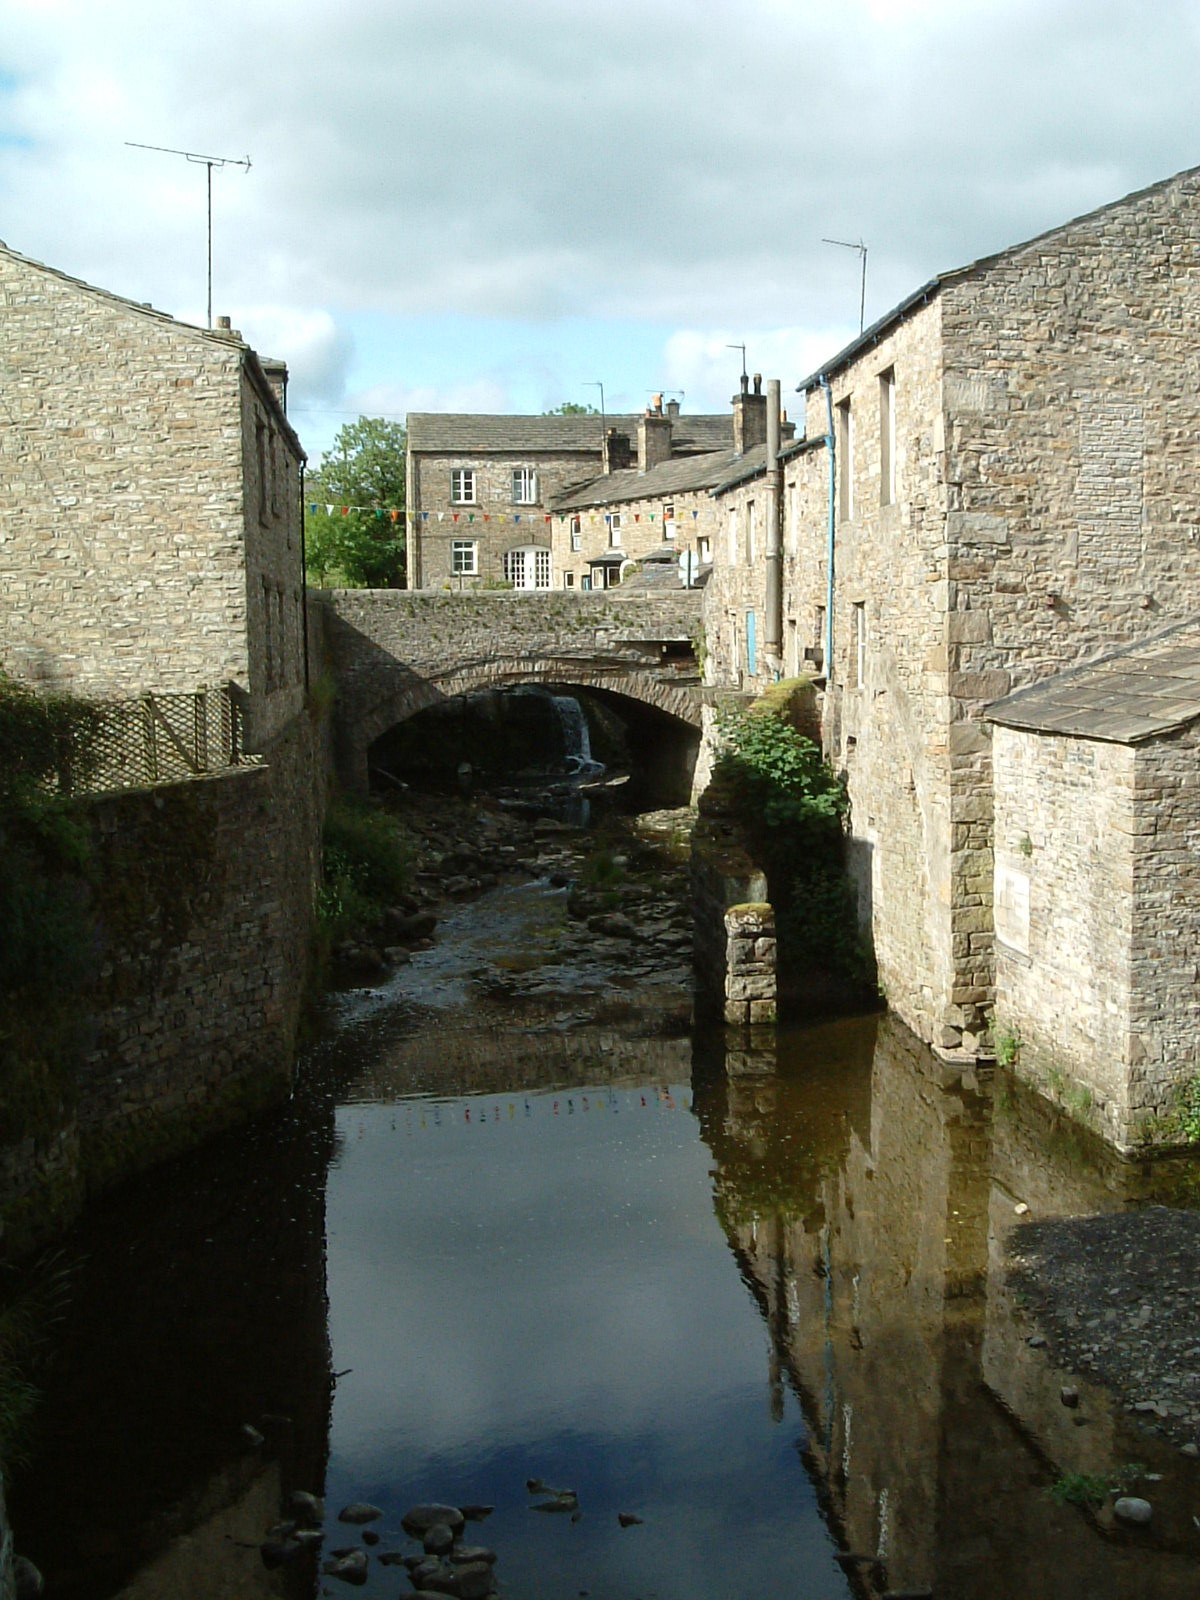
x=360, y=1511
x=351, y=1568
x=438, y=1540
x=627, y=1519
x=419, y=1519
x=1130, y=1509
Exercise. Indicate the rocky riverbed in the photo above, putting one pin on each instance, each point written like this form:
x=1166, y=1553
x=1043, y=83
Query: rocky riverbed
x=1118, y=1300
x=610, y=928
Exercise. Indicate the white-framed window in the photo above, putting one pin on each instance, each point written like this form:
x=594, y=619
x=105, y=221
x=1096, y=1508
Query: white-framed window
x=528, y=568
x=576, y=533
x=860, y=644
x=568, y=580
x=614, y=530
x=733, y=536
x=464, y=558
x=525, y=486
x=462, y=486
x=669, y=528
x=845, y=451
x=704, y=549
x=887, y=437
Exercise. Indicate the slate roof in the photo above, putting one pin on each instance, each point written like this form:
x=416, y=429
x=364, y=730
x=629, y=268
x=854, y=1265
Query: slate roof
x=677, y=476
x=469, y=433
x=1136, y=694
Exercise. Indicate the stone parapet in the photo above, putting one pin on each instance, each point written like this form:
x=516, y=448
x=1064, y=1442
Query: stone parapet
x=750, y=964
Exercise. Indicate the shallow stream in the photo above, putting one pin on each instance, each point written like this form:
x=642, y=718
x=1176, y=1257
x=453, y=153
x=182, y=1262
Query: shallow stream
x=755, y=1299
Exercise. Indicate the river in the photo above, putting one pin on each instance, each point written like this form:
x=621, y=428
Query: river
x=520, y=1221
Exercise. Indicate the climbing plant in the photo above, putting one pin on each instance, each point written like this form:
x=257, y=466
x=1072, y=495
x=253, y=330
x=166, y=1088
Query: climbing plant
x=793, y=807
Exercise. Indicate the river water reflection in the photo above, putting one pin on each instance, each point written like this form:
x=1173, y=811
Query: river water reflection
x=754, y=1298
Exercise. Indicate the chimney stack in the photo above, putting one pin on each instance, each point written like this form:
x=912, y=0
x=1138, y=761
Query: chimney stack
x=749, y=416
x=654, y=435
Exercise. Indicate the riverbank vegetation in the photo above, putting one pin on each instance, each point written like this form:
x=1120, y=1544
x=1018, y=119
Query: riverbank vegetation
x=792, y=808
x=367, y=863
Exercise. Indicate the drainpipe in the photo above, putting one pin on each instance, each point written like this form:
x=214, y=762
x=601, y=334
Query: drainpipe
x=773, y=620
x=824, y=382
x=303, y=581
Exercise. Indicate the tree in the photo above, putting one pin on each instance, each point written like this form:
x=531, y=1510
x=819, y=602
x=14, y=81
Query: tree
x=361, y=543
x=572, y=408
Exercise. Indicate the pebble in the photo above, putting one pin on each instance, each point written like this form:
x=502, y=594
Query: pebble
x=1069, y=1395
x=1021, y=1209
x=419, y=1519
x=1130, y=1509
x=351, y=1568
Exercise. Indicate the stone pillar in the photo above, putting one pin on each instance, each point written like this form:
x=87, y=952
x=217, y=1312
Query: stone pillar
x=750, y=949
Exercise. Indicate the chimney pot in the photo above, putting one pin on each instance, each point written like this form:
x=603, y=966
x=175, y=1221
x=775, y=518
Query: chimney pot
x=224, y=324
x=758, y=383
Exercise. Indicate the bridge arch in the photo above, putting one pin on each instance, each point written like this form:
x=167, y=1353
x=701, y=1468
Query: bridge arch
x=361, y=726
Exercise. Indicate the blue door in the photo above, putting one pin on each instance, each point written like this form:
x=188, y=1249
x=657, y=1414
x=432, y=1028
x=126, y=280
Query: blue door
x=751, y=644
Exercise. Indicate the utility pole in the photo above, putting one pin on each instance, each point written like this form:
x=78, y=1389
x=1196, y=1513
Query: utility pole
x=845, y=244
x=210, y=162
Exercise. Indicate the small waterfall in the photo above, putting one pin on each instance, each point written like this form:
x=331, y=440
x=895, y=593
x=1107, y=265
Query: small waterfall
x=577, y=743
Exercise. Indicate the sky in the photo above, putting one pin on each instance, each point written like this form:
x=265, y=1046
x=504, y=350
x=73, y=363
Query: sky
x=497, y=205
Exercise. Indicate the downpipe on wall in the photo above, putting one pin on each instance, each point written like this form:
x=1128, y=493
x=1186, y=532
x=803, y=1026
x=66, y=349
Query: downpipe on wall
x=830, y=446
x=773, y=620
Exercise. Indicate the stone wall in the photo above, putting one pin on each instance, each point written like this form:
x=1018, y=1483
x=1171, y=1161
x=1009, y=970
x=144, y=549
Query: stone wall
x=204, y=896
x=723, y=876
x=429, y=491
x=1164, y=1053
x=122, y=527
x=395, y=654
x=1064, y=911
x=885, y=720
x=696, y=524
x=736, y=590
x=1071, y=399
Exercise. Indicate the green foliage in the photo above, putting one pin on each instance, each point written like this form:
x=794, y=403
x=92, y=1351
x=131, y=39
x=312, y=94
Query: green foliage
x=1093, y=1488
x=793, y=806
x=572, y=408
x=1006, y=1043
x=1188, y=1109
x=363, y=549
x=367, y=864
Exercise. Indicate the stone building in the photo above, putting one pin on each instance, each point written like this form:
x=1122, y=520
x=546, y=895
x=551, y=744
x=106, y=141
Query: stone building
x=1002, y=473
x=492, y=499
x=1097, y=881
x=150, y=502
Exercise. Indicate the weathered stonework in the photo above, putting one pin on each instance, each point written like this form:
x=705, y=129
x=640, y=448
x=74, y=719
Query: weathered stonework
x=1098, y=922
x=751, y=992
x=726, y=883
x=1040, y=508
x=395, y=654
x=149, y=503
x=205, y=902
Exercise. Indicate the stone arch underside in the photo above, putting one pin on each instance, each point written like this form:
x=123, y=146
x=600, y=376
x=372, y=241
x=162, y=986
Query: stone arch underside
x=401, y=701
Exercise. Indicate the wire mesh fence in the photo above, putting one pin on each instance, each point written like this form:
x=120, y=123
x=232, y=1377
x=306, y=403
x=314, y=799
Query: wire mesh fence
x=153, y=739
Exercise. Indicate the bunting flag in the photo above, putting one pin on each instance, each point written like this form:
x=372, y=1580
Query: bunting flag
x=378, y=512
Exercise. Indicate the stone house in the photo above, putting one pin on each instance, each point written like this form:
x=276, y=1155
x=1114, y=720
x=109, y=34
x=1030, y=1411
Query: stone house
x=150, y=502
x=1001, y=473
x=490, y=498
x=1097, y=881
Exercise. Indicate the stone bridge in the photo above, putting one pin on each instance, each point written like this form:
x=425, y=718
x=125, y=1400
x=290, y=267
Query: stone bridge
x=395, y=653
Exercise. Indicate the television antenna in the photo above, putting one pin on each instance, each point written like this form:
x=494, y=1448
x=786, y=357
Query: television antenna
x=199, y=160
x=846, y=244
x=742, y=348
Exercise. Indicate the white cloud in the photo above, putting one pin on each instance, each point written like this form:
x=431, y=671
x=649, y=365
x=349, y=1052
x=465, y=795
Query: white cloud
x=704, y=366
x=317, y=351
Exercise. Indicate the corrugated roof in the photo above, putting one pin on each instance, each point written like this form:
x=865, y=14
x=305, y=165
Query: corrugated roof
x=1138, y=693
x=472, y=432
